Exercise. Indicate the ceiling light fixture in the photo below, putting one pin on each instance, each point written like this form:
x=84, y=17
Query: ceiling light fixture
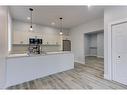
x=31, y=27
x=28, y=18
x=53, y=23
x=61, y=25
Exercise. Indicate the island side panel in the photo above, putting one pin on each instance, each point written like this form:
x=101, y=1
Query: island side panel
x=24, y=69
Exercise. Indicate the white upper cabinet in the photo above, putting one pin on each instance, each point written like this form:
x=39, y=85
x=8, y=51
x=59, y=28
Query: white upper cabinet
x=19, y=38
x=50, y=36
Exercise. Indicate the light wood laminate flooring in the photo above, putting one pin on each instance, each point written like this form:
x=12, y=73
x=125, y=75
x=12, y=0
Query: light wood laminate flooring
x=88, y=76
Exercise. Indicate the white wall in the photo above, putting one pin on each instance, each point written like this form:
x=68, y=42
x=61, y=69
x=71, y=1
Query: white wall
x=110, y=15
x=77, y=37
x=49, y=35
x=100, y=44
x=3, y=44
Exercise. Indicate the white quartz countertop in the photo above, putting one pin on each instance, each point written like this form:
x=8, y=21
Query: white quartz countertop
x=32, y=55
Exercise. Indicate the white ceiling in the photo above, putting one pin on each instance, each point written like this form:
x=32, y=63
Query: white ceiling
x=45, y=15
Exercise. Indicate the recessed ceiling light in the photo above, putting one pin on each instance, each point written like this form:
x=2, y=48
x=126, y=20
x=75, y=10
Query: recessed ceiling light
x=89, y=6
x=28, y=18
x=53, y=23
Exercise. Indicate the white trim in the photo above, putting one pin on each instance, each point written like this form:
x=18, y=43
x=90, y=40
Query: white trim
x=94, y=56
x=100, y=56
x=106, y=77
x=91, y=55
x=79, y=61
x=109, y=65
x=119, y=21
x=87, y=55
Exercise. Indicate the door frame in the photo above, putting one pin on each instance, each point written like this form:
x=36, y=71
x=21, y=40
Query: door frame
x=110, y=66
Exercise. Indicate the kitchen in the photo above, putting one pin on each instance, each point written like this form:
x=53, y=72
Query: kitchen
x=40, y=51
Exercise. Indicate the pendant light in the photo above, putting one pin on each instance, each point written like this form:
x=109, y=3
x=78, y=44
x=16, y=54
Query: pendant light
x=31, y=24
x=61, y=26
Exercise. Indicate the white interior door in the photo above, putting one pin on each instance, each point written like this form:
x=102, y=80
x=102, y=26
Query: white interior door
x=119, y=52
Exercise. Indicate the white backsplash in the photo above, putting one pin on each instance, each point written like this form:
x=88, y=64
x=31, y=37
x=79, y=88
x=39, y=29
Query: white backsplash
x=24, y=48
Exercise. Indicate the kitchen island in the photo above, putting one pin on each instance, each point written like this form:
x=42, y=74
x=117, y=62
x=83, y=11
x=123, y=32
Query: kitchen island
x=23, y=67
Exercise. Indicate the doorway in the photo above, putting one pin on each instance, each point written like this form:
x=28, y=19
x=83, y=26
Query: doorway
x=94, y=50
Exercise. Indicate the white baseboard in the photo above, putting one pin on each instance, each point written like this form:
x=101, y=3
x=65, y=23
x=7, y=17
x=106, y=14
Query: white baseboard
x=87, y=55
x=100, y=56
x=79, y=61
x=107, y=77
x=90, y=55
x=94, y=56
